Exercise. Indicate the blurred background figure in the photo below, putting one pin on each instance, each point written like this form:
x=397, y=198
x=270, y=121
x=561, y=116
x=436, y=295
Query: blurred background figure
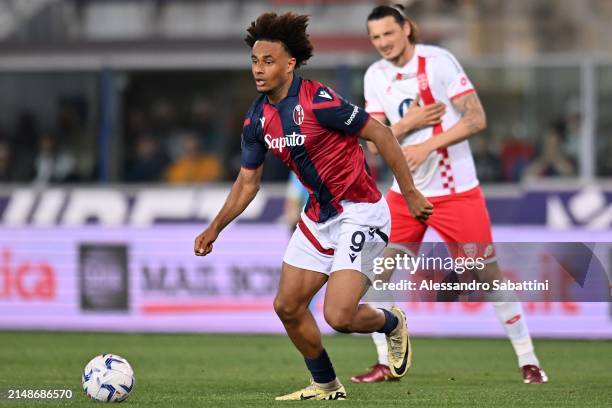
x=486, y=160
x=148, y=162
x=53, y=163
x=569, y=128
x=193, y=165
x=516, y=153
x=24, y=140
x=6, y=165
x=71, y=130
x=201, y=118
x=552, y=159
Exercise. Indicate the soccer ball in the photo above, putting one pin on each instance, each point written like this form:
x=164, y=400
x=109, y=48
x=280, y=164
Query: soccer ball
x=108, y=378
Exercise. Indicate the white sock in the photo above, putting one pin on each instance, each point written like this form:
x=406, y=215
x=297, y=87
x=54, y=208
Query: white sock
x=330, y=386
x=510, y=314
x=380, y=340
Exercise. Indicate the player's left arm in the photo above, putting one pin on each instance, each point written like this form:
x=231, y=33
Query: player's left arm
x=473, y=120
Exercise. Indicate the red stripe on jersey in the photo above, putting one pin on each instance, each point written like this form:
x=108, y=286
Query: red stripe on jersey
x=313, y=240
x=273, y=129
x=424, y=89
x=513, y=319
x=459, y=95
x=339, y=160
x=247, y=122
x=429, y=99
x=323, y=105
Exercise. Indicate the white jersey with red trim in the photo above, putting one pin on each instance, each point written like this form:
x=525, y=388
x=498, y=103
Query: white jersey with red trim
x=437, y=76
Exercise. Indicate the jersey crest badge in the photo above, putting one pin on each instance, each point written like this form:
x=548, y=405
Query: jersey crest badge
x=298, y=114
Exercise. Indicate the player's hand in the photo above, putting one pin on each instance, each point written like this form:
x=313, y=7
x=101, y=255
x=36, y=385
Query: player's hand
x=418, y=205
x=204, y=242
x=415, y=155
x=423, y=116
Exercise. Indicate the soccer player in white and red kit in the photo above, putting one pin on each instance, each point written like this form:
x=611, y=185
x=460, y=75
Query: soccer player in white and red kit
x=434, y=141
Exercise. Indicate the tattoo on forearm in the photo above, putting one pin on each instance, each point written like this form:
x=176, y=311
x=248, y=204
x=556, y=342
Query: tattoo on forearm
x=472, y=112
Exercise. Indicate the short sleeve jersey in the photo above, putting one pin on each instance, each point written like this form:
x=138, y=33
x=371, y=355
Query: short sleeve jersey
x=436, y=75
x=315, y=132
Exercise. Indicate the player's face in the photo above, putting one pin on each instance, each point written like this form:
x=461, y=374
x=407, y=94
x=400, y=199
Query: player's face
x=388, y=37
x=271, y=65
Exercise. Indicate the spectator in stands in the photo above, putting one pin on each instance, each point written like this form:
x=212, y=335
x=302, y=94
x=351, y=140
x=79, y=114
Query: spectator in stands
x=136, y=122
x=570, y=129
x=193, y=165
x=552, y=159
x=487, y=163
x=604, y=155
x=24, y=138
x=53, y=164
x=163, y=117
x=71, y=133
x=516, y=153
x=6, y=165
x=202, y=122
x=149, y=161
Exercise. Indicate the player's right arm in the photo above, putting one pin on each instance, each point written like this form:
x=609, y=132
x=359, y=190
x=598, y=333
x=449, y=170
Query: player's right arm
x=416, y=116
x=243, y=191
x=245, y=188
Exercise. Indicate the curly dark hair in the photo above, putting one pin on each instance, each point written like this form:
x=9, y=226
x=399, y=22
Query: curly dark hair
x=289, y=29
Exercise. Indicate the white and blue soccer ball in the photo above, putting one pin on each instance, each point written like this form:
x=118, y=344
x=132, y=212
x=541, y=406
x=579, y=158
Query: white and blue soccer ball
x=108, y=378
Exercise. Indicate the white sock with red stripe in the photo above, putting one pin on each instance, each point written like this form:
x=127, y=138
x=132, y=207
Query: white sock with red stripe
x=510, y=315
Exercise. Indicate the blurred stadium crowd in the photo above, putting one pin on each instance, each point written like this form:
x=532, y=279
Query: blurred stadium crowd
x=543, y=70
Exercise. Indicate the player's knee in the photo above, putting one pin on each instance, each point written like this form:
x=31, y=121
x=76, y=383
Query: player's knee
x=339, y=320
x=286, y=310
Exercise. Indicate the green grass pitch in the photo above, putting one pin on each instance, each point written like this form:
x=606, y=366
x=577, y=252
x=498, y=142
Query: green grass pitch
x=191, y=370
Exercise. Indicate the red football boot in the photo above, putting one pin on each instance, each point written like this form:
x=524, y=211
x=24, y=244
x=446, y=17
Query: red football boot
x=377, y=373
x=533, y=375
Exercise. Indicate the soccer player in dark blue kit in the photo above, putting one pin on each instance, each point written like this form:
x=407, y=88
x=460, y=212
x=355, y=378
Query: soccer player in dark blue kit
x=345, y=223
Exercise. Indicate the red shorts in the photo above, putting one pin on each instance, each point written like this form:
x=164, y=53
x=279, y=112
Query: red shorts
x=461, y=219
